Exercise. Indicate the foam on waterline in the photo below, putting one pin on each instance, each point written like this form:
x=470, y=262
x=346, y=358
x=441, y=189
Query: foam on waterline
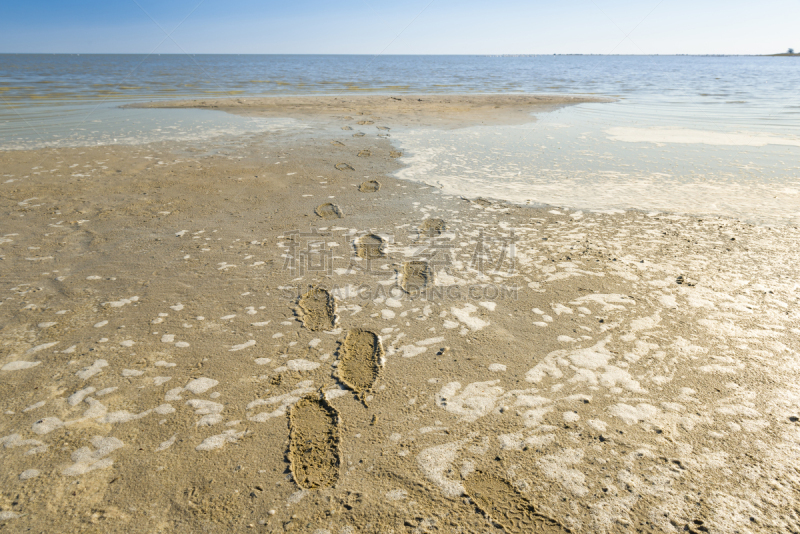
x=166, y=444
x=705, y=137
x=43, y=346
x=29, y=474
x=634, y=414
x=335, y=393
x=556, y=467
x=205, y=407
x=219, y=441
x=123, y=416
x=285, y=400
x=475, y=401
x=597, y=424
x=19, y=365
x=95, y=368
x=200, y=385
x=164, y=409
x=297, y=365
x=120, y=303
x=173, y=394
x=242, y=346
x=609, y=302
x=77, y=397
x=15, y=440
x=435, y=463
x=409, y=351
x=464, y=315
x=87, y=460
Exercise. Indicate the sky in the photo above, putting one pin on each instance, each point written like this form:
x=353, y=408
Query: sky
x=400, y=27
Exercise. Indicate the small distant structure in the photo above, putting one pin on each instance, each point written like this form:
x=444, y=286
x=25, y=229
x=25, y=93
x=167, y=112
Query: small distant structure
x=789, y=53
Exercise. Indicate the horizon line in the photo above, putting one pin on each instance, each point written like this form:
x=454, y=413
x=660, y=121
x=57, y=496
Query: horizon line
x=371, y=55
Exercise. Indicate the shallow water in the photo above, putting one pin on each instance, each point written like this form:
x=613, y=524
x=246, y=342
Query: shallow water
x=604, y=157
x=698, y=135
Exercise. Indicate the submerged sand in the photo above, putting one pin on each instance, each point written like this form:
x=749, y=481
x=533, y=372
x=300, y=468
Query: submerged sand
x=273, y=334
x=381, y=111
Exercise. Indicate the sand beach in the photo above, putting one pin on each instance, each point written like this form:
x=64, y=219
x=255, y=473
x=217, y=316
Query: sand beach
x=273, y=333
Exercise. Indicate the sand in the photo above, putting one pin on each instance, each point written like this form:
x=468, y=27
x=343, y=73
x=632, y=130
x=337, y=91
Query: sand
x=190, y=342
x=381, y=112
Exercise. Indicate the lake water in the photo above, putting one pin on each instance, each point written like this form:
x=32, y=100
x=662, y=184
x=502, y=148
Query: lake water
x=700, y=135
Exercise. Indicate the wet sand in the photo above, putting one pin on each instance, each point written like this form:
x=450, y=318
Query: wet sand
x=441, y=111
x=271, y=333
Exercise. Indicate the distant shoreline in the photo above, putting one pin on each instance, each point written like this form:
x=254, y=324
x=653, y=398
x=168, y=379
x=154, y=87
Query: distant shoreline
x=388, y=55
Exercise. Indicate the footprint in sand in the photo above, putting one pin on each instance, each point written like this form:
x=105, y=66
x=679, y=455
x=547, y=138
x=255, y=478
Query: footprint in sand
x=360, y=360
x=329, y=211
x=502, y=503
x=395, y=154
x=370, y=186
x=383, y=128
x=370, y=247
x=482, y=202
x=318, y=309
x=346, y=128
x=314, y=443
x=364, y=123
x=343, y=167
x=337, y=143
x=432, y=227
x=416, y=276
x=359, y=134
x=364, y=154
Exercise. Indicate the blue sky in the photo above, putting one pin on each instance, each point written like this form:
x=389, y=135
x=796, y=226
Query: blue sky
x=401, y=27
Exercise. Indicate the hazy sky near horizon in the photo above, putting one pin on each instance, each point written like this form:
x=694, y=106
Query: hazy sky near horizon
x=401, y=27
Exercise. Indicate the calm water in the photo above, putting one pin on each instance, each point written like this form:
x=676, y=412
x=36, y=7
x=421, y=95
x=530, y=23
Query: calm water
x=694, y=134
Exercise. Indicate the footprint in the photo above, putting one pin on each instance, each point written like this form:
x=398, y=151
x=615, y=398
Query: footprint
x=329, y=211
x=318, y=309
x=337, y=143
x=370, y=186
x=482, y=202
x=343, y=167
x=383, y=128
x=359, y=134
x=370, y=247
x=502, y=503
x=314, y=443
x=364, y=154
x=364, y=123
x=433, y=227
x=346, y=128
x=416, y=275
x=395, y=154
x=360, y=360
